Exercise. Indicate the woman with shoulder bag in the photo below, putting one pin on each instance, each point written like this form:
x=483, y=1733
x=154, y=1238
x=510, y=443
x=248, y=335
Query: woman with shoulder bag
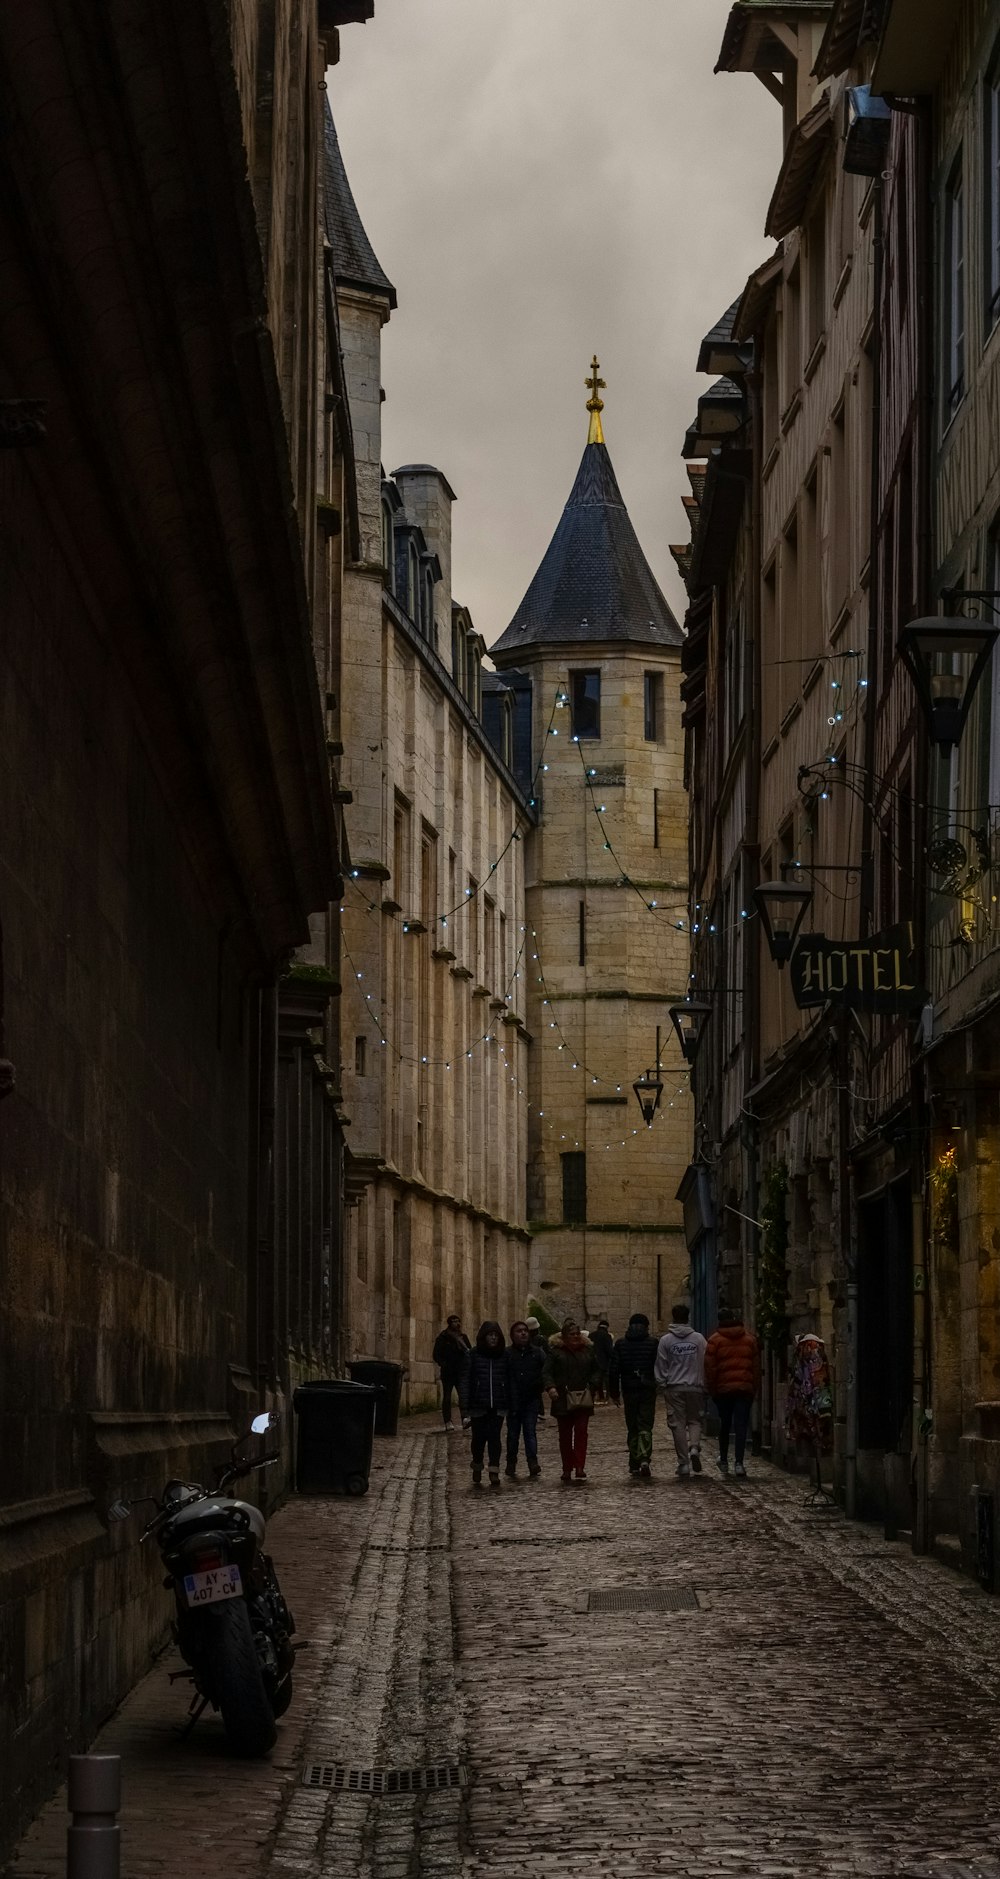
x=571, y=1374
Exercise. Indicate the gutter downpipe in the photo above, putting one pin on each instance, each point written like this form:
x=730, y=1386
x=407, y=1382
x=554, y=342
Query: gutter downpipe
x=751, y=846
x=866, y=908
x=923, y=1322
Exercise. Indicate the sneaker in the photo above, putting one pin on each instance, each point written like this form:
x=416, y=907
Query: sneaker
x=477, y=1477
x=534, y=1468
x=581, y=1474
x=449, y=1428
x=683, y=1471
x=645, y=1471
x=494, y=1477
x=696, y=1460
x=511, y=1471
x=740, y=1472
x=723, y=1464
x=633, y=1467
x=566, y=1480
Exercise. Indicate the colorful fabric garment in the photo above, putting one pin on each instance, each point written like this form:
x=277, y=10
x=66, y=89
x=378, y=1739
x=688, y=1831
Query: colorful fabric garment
x=809, y=1399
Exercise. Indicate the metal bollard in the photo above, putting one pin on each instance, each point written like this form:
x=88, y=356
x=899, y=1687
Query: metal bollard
x=93, y=1840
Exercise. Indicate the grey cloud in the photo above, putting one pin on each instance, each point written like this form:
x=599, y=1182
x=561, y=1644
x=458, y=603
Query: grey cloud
x=542, y=179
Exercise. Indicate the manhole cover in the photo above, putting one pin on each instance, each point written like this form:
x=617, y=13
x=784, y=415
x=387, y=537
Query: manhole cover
x=663, y=1598
x=334, y=1778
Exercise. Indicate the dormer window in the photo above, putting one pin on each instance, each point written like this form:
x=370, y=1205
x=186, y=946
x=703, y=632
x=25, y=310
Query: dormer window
x=388, y=547
x=473, y=690
x=458, y=653
x=427, y=608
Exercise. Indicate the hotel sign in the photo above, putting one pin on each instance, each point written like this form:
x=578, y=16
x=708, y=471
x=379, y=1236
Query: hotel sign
x=876, y=974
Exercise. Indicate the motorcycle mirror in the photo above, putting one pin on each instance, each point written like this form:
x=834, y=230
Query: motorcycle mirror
x=266, y=1420
x=119, y=1510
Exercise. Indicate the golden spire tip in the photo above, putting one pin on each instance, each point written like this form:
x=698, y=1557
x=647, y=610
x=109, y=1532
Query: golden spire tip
x=595, y=385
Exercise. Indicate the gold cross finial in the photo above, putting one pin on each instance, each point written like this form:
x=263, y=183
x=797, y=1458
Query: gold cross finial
x=595, y=405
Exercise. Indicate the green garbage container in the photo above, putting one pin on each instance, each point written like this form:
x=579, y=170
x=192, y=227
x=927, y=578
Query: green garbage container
x=335, y=1436
x=388, y=1380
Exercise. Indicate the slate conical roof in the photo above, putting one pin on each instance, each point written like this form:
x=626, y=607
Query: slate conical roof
x=594, y=583
x=354, y=260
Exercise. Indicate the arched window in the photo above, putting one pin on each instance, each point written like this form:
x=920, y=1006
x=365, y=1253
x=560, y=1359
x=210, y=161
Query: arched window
x=388, y=547
x=458, y=651
x=506, y=733
x=427, y=612
x=413, y=585
x=473, y=690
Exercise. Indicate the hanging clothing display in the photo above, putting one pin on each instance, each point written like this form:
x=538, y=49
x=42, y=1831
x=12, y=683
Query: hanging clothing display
x=809, y=1401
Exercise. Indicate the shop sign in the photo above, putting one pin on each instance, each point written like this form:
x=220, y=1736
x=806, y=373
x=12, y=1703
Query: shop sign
x=876, y=974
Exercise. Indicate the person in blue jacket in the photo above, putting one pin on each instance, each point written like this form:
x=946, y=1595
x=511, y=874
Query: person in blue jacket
x=484, y=1393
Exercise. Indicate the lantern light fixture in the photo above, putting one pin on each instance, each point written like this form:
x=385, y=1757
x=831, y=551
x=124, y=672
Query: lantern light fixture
x=648, y=1090
x=782, y=908
x=689, y=1021
x=946, y=658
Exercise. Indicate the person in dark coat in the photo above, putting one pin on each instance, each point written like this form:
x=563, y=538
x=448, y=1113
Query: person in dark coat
x=451, y=1351
x=604, y=1345
x=569, y=1379
x=484, y=1393
x=525, y=1364
x=631, y=1381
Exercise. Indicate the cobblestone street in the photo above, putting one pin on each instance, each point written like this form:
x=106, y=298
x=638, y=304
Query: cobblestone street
x=822, y=1703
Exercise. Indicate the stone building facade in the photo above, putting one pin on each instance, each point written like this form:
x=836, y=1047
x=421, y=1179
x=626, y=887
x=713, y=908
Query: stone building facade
x=173, y=457
x=592, y=662
x=861, y=420
x=433, y=1044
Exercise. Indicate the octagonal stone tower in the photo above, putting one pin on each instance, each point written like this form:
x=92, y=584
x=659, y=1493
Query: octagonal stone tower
x=606, y=881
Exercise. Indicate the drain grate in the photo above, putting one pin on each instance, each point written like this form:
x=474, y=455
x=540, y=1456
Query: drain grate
x=663, y=1598
x=334, y=1778
x=380, y=1546
x=547, y=1539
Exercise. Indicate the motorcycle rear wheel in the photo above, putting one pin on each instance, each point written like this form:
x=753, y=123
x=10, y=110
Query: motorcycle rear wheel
x=236, y=1681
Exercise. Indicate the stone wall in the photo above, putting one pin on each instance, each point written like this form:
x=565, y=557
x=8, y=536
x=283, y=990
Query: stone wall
x=607, y=920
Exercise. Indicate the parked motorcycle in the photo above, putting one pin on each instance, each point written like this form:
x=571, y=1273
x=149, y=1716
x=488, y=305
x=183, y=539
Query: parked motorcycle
x=232, y=1624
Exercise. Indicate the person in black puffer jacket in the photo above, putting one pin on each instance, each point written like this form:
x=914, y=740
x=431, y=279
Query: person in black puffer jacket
x=632, y=1381
x=525, y=1363
x=485, y=1394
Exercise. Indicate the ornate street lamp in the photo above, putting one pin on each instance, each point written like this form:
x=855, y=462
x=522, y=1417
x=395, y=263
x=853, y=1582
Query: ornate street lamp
x=946, y=659
x=648, y=1090
x=689, y=1021
x=782, y=908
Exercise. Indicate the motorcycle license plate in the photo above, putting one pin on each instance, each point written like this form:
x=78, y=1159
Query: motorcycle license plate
x=204, y=1588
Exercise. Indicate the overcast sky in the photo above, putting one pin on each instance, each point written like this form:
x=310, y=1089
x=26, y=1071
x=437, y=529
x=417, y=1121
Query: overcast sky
x=542, y=179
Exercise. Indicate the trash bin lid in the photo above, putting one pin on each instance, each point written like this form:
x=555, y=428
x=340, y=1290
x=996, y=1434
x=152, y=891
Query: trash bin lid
x=334, y=1386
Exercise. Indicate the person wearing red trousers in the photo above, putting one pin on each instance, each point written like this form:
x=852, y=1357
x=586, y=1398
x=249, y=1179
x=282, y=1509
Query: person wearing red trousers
x=571, y=1375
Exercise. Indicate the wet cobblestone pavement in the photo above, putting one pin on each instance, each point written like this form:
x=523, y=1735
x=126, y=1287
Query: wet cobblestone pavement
x=825, y=1704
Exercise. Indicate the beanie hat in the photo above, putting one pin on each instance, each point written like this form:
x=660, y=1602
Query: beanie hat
x=532, y=1324
x=638, y=1317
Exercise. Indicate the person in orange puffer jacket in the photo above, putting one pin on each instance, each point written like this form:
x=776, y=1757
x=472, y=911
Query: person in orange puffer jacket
x=732, y=1377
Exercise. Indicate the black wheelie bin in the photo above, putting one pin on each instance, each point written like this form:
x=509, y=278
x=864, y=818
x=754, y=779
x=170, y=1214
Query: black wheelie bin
x=336, y=1431
x=388, y=1380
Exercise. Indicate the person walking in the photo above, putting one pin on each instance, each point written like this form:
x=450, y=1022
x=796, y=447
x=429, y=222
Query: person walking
x=732, y=1377
x=451, y=1354
x=632, y=1381
x=537, y=1336
x=570, y=1376
x=484, y=1394
x=604, y=1345
x=680, y=1372
x=525, y=1364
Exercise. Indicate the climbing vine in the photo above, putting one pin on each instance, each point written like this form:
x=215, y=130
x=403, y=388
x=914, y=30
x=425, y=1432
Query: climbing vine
x=944, y=1199
x=772, y=1258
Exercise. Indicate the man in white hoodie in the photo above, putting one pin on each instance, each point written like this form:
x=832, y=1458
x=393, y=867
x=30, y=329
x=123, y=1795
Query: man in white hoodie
x=680, y=1373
